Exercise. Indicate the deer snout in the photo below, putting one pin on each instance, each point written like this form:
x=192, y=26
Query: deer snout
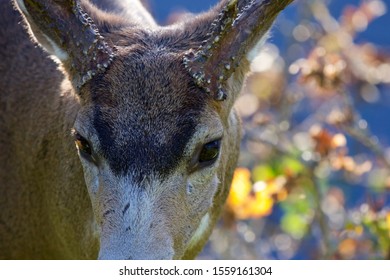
x=112, y=256
x=135, y=234
x=137, y=248
x=140, y=220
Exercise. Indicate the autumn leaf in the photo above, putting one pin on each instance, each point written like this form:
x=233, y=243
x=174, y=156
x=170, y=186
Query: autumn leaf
x=240, y=188
x=347, y=248
x=249, y=201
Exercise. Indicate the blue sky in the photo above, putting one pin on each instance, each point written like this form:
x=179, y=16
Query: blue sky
x=376, y=32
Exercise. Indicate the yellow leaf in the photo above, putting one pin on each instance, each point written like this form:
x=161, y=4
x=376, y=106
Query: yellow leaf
x=247, y=202
x=359, y=230
x=388, y=222
x=240, y=188
x=263, y=204
x=254, y=207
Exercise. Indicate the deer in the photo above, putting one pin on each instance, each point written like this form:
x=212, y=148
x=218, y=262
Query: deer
x=118, y=136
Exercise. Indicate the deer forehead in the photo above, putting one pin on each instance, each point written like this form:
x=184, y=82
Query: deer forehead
x=145, y=110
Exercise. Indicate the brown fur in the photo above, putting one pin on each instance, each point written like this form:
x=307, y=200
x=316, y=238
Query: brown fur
x=143, y=114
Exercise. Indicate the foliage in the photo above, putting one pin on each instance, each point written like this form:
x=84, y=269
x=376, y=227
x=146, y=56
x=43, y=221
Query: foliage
x=313, y=181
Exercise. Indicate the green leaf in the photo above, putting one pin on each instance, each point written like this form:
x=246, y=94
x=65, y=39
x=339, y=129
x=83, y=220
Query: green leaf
x=291, y=165
x=263, y=173
x=294, y=225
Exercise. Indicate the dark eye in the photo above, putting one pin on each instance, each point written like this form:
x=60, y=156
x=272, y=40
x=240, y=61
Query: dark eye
x=209, y=152
x=82, y=144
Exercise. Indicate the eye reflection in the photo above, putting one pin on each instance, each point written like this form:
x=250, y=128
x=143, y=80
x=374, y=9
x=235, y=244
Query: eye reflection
x=82, y=144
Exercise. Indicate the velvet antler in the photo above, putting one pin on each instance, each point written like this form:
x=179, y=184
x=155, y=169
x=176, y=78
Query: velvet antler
x=71, y=35
x=237, y=30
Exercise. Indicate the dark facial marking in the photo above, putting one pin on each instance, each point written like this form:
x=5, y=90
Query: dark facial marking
x=126, y=208
x=108, y=212
x=147, y=114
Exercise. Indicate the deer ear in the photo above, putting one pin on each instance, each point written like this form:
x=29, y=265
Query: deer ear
x=236, y=35
x=66, y=31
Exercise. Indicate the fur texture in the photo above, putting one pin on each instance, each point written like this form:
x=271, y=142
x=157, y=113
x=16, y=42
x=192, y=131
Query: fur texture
x=141, y=191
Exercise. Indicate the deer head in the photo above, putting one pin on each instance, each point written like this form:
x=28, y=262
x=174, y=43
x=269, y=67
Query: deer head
x=156, y=134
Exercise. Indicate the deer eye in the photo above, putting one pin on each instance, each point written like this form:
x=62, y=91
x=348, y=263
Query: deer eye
x=82, y=144
x=209, y=152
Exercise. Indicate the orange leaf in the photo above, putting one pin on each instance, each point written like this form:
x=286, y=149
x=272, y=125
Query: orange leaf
x=347, y=248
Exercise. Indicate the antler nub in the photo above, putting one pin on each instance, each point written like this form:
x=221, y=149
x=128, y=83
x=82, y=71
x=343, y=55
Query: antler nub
x=196, y=61
x=93, y=46
x=236, y=30
x=72, y=28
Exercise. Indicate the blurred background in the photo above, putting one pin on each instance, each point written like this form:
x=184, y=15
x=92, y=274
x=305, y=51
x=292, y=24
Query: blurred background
x=313, y=180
